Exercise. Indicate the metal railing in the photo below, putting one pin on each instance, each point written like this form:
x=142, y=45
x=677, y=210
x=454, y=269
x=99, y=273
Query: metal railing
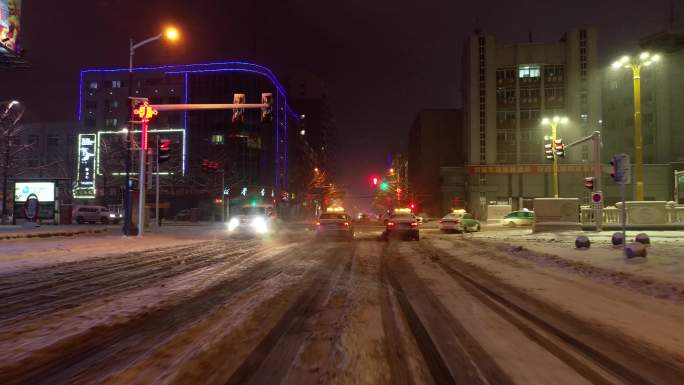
x=611, y=214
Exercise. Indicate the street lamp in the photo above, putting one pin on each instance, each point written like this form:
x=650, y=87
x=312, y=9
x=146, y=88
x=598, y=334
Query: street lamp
x=645, y=59
x=171, y=34
x=554, y=123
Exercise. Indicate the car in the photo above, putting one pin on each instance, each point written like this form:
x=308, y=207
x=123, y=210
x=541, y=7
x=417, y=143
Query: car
x=183, y=215
x=458, y=221
x=336, y=224
x=363, y=217
x=93, y=214
x=519, y=218
x=403, y=225
x=253, y=220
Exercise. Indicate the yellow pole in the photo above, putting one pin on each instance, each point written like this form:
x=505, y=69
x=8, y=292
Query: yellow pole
x=554, y=125
x=638, y=140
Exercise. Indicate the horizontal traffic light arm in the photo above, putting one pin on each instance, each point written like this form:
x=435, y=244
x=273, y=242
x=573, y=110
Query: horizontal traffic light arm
x=208, y=106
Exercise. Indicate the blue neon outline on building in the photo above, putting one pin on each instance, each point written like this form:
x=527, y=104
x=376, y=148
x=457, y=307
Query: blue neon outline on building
x=228, y=66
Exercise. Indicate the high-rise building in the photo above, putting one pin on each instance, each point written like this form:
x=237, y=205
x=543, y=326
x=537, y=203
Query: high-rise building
x=508, y=89
x=435, y=141
x=308, y=96
x=255, y=154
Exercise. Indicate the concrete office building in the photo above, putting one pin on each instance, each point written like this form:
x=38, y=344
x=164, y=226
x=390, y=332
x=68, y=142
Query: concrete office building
x=435, y=141
x=507, y=90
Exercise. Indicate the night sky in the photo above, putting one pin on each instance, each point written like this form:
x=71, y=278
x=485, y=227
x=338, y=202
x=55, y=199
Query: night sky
x=382, y=60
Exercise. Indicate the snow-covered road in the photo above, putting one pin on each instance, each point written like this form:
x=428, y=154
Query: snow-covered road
x=290, y=310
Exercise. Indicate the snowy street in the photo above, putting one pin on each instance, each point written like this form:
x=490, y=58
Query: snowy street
x=198, y=307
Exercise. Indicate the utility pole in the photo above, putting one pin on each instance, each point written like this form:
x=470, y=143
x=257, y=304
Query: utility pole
x=597, y=170
x=156, y=186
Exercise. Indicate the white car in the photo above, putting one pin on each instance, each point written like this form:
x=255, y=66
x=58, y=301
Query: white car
x=94, y=214
x=254, y=220
x=336, y=224
x=519, y=218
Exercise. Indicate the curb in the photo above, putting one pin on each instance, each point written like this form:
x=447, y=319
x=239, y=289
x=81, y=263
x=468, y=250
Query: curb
x=52, y=234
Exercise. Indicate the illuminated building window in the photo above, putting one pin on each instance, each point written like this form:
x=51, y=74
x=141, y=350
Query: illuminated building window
x=217, y=139
x=529, y=72
x=117, y=84
x=92, y=85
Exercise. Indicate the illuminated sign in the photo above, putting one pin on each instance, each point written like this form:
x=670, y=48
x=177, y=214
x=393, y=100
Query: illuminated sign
x=45, y=191
x=85, y=178
x=10, y=13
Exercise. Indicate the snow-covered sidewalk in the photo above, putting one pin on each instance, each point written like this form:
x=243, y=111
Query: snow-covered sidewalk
x=8, y=232
x=664, y=261
x=24, y=253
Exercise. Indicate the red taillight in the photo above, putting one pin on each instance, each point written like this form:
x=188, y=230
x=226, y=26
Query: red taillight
x=414, y=224
x=390, y=224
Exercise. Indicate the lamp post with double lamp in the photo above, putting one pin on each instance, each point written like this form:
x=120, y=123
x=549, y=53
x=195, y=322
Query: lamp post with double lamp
x=171, y=34
x=554, y=123
x=636, y=63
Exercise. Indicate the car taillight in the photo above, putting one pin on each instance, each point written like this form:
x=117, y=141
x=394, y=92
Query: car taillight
x=318, y=223
x=346, y=223
x=414, y=224
x=390, y=224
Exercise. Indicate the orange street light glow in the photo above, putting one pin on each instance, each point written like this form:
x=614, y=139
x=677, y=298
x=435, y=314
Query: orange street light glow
x=172, y=33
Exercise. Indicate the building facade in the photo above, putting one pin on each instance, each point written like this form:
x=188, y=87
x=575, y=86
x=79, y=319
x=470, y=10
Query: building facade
x=435, y=140
x=508, y=89
x=254, y=153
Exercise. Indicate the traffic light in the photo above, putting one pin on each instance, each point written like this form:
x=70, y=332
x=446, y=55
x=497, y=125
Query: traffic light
x=374, y=180
x=412, y=206
x=589, y=182
x=560, y=148
x=209, y=166
x=267, y=112
x=548, y=151
x=384, y=186
x=164, y=150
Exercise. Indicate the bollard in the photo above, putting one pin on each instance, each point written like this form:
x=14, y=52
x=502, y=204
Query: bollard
x=634, y=250
x=617, y=238
x=643, y=239
x=582, y=242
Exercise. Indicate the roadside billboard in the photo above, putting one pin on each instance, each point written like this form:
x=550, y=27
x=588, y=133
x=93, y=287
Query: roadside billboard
x=45, y=191
x=10, y=14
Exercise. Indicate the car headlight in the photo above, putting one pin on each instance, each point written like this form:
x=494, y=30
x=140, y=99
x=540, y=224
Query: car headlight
x=112, y=215
x=233, y=224
x=259, y=225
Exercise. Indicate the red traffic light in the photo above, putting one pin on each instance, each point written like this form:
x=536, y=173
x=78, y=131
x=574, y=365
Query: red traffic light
x=589, y=182
x=412, y=206
x=375, y=180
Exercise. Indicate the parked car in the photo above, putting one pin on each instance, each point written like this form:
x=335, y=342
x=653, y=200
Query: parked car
x=183, y=215
x=459, y=221
x=519, y=218
x=94, y=214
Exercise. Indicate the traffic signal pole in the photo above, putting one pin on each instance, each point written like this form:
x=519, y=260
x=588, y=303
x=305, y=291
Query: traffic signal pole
x=598, y=171
x=156, y=186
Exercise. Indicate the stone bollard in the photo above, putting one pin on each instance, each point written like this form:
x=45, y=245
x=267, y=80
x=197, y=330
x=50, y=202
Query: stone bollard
x=582, y=242
x=617, y=238
x=643, y=239
x=634, y=250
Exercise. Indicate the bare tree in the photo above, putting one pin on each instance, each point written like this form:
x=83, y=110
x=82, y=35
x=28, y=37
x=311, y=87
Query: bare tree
x=10, y=114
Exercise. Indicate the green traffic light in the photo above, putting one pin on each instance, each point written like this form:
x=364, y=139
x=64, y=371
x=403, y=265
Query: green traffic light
x=254, y=203
x=384, y=186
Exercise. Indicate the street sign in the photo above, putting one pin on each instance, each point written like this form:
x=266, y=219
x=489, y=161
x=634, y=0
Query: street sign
x=597, y=197
x=622, y=169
